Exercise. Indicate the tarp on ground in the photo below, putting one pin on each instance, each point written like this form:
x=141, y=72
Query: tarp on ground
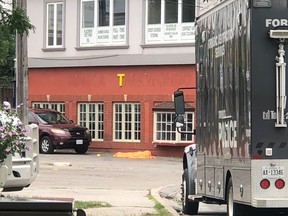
x=140, y=154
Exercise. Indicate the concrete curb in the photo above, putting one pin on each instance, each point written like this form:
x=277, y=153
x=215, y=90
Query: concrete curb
x=156, y=194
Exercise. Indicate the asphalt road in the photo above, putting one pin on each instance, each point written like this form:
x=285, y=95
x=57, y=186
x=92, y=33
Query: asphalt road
x=123, y=183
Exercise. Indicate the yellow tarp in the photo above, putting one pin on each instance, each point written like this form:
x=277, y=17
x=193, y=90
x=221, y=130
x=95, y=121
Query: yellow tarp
x=139, y=154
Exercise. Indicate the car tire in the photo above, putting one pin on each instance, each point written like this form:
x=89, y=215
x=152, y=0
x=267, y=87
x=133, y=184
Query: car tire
x=188, y=207
x=81, y=149
x=46, y=145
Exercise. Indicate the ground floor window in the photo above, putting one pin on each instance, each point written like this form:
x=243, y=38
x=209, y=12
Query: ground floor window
x=91, y=115
x=126, y=122
x=165, y=130
x=60, y=107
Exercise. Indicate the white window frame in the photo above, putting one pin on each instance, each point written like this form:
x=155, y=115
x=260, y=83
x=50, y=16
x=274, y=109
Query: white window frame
x=55, y=4
x=103, y=35
x=166, y=136
x=59, y=106
x=119, y=122
x=91, y=115
x=180, y=32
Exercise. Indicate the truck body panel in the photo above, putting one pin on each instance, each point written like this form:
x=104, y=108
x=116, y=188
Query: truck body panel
x=241, y=101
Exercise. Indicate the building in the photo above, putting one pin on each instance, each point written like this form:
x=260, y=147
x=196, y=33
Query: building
x=112, y=66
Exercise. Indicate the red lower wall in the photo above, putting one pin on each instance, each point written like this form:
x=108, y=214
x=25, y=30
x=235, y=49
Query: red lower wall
x=145, y=84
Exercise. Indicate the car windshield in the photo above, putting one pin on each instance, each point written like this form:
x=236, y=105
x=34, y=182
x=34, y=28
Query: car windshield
x=52, y=118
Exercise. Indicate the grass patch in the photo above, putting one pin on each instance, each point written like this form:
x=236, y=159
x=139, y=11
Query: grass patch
x=90, y=204
x=160, y=209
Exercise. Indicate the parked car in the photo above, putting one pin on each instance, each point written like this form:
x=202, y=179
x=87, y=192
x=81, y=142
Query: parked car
x=57, y=132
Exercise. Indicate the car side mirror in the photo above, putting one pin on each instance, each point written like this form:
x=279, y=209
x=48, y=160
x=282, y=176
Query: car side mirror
x=179, y=103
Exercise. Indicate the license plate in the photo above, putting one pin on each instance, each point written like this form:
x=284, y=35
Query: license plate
x=273, y=172
x=79, y=142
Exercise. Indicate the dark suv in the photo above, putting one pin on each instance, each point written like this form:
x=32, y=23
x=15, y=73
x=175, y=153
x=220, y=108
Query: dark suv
x=57, y=132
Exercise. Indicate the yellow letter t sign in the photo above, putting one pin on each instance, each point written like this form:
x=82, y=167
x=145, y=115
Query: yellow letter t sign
x=120, y=79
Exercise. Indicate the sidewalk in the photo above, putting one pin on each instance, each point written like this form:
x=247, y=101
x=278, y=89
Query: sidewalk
x=168, y=196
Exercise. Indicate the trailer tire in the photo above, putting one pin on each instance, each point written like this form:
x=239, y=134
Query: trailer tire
x=188, y=207
x=234, y=209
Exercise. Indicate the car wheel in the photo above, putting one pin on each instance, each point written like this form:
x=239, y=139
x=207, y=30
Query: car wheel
x=81, y=149
x=46, y=146
x=188, y=206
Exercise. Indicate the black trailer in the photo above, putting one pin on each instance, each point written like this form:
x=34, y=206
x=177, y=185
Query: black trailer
x=241, y=113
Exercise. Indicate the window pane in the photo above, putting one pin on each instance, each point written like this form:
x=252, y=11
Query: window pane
x=54, y=24
x=166, y=130
x=46, y=106
x=158, y=126
x=91, y=116
x=127, y=122
x=188, y=13
x=118, y=108
x=50, y=24
x=104, y=12
x=60, y=107
x=59, y=24
x=128, y=135
x=119, y=12
x=88, y=14
x=154, y=11
x=171, y=11
x=188, y=127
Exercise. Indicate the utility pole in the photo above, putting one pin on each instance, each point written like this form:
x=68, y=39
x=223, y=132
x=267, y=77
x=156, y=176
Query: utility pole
x=22, y=71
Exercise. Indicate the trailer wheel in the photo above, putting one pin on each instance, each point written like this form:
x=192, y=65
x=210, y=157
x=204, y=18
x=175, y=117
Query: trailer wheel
x=188, y=207
x=234, y=209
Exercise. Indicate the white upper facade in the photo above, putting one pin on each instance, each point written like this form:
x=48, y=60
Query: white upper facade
x=111, y=32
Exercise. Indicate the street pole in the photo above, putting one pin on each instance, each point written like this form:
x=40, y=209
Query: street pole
x=22, y=71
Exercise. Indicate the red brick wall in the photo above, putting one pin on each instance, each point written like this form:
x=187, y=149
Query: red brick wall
x=144, y=84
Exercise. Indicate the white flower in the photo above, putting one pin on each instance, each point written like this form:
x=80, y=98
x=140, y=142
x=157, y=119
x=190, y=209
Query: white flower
x=12, y=134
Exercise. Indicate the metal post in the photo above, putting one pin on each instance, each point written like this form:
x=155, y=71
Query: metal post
x=280, y=87
x=22, y=71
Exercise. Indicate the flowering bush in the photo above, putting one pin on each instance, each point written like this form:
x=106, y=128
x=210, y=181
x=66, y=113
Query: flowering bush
x=12, y=134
